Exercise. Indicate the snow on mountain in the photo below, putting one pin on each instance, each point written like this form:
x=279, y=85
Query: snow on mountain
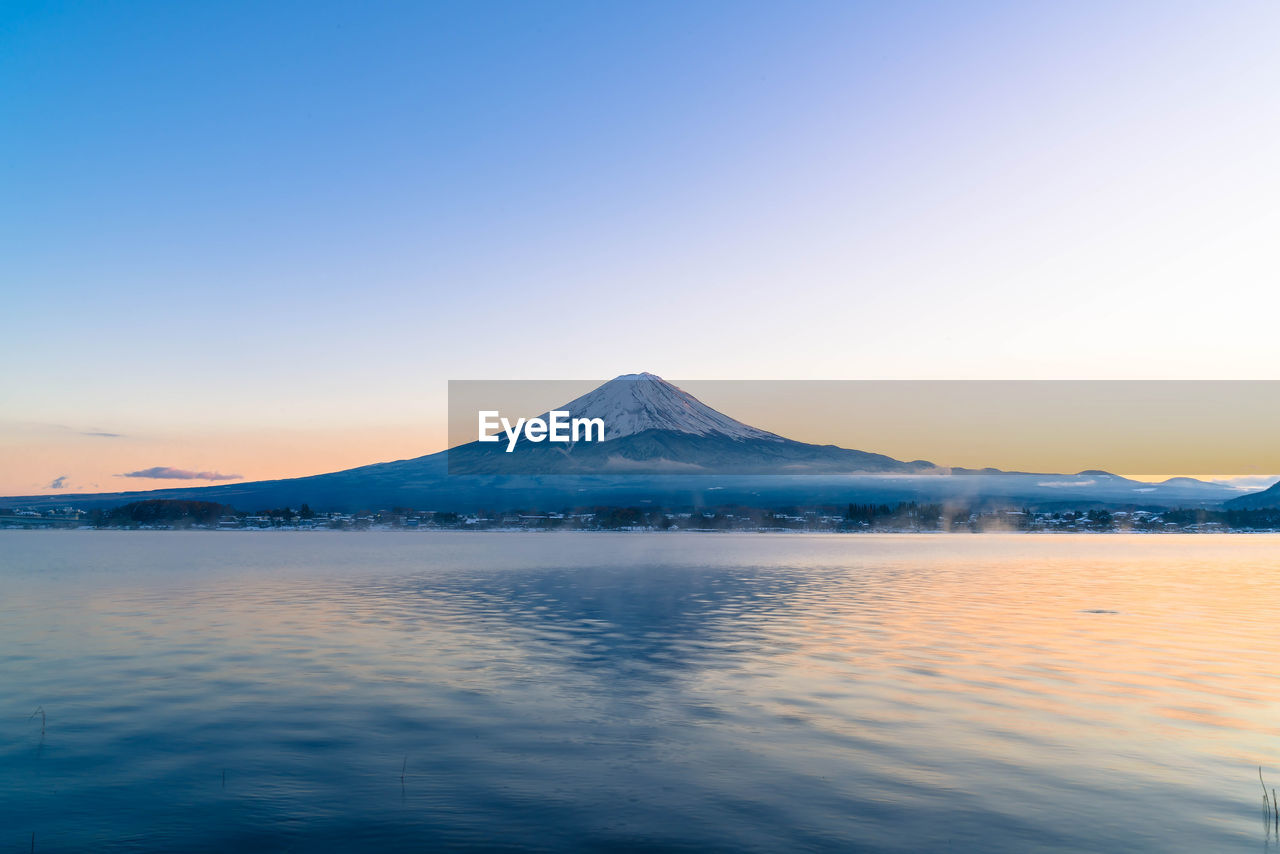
x=634, y=403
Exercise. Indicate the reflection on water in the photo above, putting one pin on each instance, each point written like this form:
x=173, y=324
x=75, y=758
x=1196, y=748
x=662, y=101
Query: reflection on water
x=637, y=692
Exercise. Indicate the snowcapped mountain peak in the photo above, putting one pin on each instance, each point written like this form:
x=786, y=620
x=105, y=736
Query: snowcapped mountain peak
x=634, y=403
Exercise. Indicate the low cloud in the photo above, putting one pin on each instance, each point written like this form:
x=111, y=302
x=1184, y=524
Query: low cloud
x=170, y=473
x=59, y=482
x=101, y=433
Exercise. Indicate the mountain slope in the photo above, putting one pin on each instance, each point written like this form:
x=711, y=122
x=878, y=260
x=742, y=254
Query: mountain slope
x=1267, y=498
x=423, y=483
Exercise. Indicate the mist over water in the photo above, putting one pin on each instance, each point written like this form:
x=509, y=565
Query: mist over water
x=563, y=692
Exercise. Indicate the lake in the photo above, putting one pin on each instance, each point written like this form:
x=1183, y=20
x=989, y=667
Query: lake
x=404, y=691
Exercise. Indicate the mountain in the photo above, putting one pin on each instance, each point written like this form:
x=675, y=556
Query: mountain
x=1267, y=498
x=664, y=447
x=653, y=427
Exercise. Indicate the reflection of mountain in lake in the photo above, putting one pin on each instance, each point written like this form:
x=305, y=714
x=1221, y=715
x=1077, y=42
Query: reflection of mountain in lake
x=615, y=624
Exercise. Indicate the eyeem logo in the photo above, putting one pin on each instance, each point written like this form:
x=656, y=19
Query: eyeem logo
x=559, y=426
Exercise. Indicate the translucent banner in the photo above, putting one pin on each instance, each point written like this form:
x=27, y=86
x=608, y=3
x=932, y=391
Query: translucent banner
x=642, y=424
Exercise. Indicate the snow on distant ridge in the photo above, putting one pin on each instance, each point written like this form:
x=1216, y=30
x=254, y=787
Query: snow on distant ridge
x=633, y=403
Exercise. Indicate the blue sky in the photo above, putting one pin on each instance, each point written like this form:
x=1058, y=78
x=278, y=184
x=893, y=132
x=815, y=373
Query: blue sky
x=230, y=227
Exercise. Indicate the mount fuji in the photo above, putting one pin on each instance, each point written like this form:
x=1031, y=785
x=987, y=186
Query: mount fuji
x=662, y=446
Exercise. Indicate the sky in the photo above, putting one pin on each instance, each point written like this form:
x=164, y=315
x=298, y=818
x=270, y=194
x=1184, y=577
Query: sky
x=258, y=239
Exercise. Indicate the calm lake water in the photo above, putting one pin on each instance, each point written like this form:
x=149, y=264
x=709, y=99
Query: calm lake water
x=564, y=692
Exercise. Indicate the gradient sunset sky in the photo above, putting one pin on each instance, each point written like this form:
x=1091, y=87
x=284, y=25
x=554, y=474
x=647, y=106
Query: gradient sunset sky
x=257, y=239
